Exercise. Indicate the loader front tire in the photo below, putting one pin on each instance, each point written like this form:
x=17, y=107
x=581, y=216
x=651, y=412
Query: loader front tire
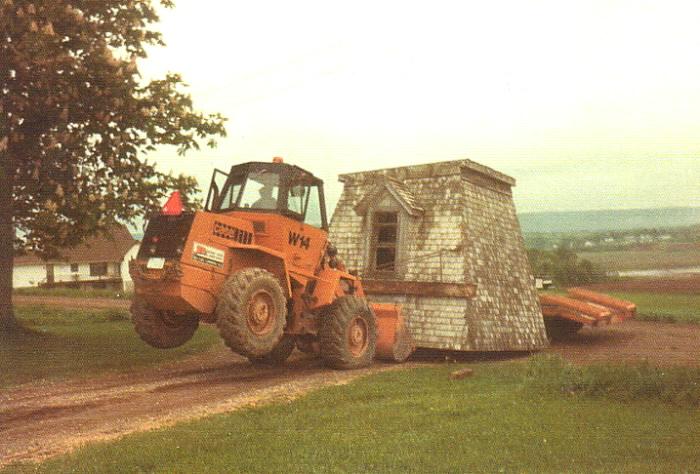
x=348, y=334
x=162, y=329
x=251, y=312
x=279, y=354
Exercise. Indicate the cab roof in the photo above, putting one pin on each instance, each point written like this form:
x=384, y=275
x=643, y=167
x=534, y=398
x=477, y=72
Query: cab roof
x=283, y=169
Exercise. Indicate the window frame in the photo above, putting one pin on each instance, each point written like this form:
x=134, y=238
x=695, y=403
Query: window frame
x=376, y=245
x=321, y=205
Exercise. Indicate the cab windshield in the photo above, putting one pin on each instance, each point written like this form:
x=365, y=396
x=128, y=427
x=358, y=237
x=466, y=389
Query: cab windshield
x=255, y=190
x=261, y=191
x=256, y=187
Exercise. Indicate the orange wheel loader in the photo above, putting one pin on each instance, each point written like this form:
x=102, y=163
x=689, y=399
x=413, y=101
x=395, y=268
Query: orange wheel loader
x=257, y=262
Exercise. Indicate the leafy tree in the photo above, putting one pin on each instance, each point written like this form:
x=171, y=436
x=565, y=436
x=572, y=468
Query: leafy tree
x=75, y=118
x=564, y=266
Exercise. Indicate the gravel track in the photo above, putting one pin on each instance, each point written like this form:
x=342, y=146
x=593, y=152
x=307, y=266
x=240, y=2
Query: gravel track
x=46, y=419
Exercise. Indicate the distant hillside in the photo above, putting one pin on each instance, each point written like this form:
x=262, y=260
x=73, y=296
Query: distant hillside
x=597, y=221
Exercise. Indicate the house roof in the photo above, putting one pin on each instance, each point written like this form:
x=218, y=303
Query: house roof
x=397, y=189
x=101, y=248
x=431, y=170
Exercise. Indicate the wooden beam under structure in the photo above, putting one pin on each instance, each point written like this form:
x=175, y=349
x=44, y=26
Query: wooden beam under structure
x=419, y=288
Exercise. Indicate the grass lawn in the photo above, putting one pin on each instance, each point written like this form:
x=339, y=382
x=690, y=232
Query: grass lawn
x=503, y=419
x=64, y=343
x=643, y=259
x=680, y=308
x=73, y=293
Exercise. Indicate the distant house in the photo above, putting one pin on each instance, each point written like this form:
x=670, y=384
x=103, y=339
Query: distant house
x=100, y=262
x=543, y=282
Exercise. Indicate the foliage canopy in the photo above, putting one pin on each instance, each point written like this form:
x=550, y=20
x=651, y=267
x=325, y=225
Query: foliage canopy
x=77, y=119
x=564, y=266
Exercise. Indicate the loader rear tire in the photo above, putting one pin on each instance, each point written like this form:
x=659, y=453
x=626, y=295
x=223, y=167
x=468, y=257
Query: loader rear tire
x=251, y=312
x=279, y=354
x=348, y=334
x=162, y=329
x=561, y=329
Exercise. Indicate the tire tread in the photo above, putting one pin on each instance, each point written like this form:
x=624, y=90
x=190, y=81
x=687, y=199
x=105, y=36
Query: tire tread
x=231, y=320
x=149, y=326
x=332, y=333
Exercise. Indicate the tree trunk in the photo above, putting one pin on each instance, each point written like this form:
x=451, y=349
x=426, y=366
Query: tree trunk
x=7, y=235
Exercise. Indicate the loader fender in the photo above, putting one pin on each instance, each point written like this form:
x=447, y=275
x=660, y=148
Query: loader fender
x=254, y=256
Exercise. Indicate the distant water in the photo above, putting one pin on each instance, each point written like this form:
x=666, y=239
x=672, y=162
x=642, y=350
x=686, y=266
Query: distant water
x=608, y=220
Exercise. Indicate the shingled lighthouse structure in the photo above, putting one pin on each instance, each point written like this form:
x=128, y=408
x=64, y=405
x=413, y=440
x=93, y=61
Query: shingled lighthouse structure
x=442, y=240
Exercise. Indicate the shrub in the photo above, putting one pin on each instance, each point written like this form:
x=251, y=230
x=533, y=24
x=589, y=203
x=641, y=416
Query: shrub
x=550, y=375
x=565, y=267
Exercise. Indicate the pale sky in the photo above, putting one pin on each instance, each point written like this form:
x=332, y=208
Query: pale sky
x=588, y=105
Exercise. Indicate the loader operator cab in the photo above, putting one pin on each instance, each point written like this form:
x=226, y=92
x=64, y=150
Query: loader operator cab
x=274, y=187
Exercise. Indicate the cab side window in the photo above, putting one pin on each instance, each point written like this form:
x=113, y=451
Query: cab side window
x=313, y=215
x=304, y=200
x=228, y=200
x=296, y=200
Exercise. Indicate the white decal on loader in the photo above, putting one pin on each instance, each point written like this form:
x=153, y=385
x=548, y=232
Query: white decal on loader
x=208, y=255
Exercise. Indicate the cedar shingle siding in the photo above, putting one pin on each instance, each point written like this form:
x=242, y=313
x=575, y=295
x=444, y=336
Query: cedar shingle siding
x=457, y=225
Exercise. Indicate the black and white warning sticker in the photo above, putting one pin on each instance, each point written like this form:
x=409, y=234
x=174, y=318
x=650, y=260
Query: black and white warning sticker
x=208, y=255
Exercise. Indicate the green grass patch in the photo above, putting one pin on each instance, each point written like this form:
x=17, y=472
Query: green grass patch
x=666, y=307
x=58, y=343
x=73, y=293
x=417, y=421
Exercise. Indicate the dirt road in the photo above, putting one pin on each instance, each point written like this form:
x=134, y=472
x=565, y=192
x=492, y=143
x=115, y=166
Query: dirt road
x=41, y=420
x=689, y=284
x=658, y=343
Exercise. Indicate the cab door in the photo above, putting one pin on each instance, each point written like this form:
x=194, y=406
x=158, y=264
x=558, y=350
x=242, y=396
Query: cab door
x=307, y=236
